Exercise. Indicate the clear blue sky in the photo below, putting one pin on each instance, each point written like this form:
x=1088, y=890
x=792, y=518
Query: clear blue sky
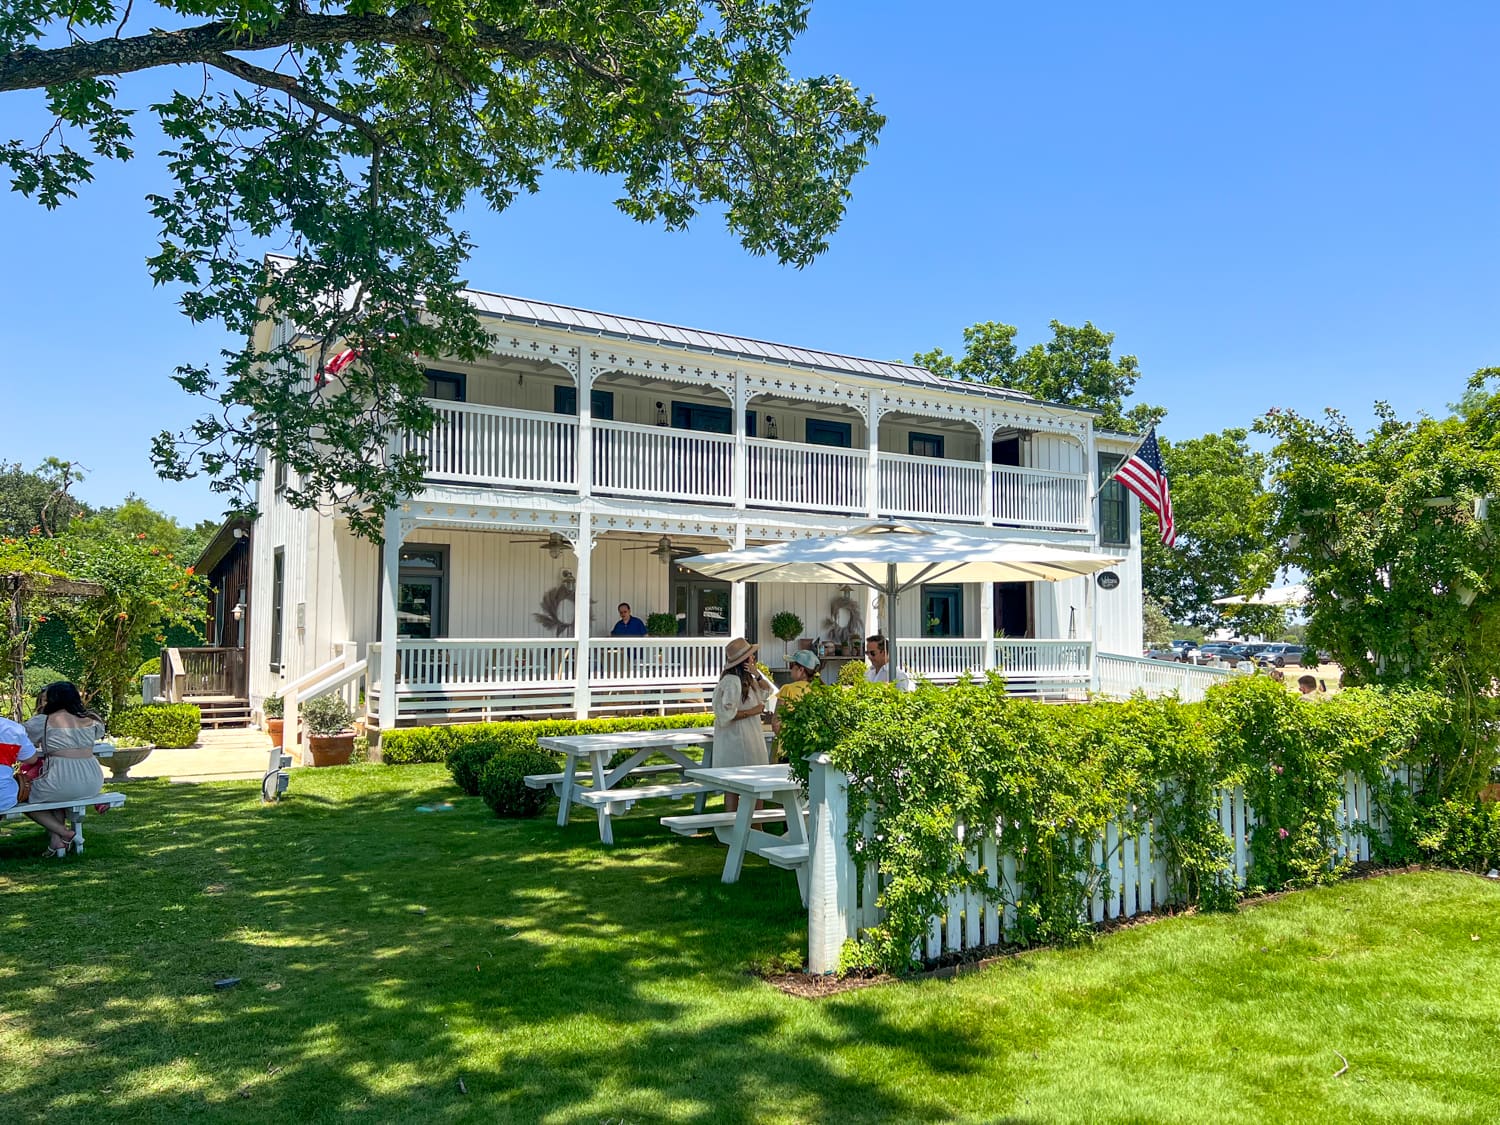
x=1289, y=205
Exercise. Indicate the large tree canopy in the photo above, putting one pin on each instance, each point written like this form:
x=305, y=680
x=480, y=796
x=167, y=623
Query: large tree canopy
x=346, y=135
x=1077, y=367
x=1225, y=544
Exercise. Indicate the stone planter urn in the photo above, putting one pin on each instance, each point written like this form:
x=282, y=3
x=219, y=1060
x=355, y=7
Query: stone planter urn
x=331, y=749
x=121, y=759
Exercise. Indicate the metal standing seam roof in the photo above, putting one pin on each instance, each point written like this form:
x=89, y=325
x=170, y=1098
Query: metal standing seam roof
x=546, y=314
x=566, y=317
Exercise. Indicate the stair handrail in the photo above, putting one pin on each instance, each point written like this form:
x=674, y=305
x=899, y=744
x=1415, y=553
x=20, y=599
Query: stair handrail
x=291, y=720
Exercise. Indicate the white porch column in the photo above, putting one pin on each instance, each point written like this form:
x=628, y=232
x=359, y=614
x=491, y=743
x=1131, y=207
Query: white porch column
x=741, y=449
x=987, y=477
x=390, y=589
x=583, y=598
x=987, y=622
x=872, y=470
x=737, y=591
x=585, y=426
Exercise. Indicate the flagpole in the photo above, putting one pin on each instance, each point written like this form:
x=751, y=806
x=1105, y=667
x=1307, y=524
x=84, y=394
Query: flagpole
x=1134, y=450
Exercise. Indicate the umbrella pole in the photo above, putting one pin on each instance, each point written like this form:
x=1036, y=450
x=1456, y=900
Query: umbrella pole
x=890, y=618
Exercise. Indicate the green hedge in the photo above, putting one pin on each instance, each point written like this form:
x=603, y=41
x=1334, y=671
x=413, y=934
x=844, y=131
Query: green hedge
x=432, y=744
x=1056, y=776
x=169, y=726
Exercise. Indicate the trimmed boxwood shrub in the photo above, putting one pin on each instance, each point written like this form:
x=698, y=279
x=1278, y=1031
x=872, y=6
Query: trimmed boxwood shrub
x=169, y=726
x=467, y=760
x=502, y=782
x=433, y=744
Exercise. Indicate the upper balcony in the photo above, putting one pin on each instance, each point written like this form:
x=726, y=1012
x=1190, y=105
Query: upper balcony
x=682, y=443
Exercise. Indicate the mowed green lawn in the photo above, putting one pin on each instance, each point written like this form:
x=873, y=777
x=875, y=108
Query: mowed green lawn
x=406, y=966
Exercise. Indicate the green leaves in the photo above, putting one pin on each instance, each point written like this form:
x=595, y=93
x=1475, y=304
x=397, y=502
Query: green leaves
x=350, y=151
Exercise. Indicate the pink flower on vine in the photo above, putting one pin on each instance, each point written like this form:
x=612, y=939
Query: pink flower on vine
x=1282, y=833
x=1278, y=769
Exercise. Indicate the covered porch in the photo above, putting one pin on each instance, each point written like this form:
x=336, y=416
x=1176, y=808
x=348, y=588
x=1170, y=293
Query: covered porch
x=471, y=614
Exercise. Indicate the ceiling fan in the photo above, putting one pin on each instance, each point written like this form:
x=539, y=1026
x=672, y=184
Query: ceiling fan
x=554, y=544
x=662, y=550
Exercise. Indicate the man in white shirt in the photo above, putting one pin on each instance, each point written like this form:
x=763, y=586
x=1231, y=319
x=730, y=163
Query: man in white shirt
x=878, y=653
x=15, y=746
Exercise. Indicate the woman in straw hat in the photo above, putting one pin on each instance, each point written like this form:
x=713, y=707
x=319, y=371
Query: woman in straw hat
x=740, y=699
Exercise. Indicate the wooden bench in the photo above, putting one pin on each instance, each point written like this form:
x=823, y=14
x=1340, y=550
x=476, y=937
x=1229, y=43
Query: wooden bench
x=621, y=799
x=791, y=857
x=75, y=811
x=709, y=822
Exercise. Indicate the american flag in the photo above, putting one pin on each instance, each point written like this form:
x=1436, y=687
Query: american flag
x=1144, y=474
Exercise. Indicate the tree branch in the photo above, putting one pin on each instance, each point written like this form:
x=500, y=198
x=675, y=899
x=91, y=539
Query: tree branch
x=260, y=76
x=29, y=68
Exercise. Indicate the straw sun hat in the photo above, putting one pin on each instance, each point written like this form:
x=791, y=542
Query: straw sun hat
x=738, y=650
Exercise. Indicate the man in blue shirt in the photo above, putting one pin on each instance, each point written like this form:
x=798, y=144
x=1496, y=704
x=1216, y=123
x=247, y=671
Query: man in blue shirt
x=628, y=626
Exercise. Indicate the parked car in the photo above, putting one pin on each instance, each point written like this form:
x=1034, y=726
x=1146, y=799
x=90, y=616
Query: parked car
x=1187, y=651
x=1163, y=654
x=1295, y=655
x=1219, y=651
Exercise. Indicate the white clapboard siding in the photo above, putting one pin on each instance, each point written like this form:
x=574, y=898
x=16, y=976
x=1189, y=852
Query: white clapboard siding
x=1128, y=874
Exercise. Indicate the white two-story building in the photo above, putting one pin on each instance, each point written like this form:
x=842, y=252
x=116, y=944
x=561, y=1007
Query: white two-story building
x=573, y=467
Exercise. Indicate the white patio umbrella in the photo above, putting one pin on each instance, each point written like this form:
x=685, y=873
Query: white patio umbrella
x=1282, y=595
x=892, y=558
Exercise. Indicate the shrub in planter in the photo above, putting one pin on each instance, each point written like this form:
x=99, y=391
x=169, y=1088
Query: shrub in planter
x=502, y=782
x=330, y=734
x=661, y=624
x=465, y=762
x=853, y=672
x=274, y=708
x=167, y=726
x=786, y=627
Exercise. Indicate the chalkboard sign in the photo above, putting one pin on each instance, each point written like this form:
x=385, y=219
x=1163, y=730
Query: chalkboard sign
x=1108, y=580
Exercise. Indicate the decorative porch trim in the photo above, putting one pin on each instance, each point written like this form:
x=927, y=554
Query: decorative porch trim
x=521, y=346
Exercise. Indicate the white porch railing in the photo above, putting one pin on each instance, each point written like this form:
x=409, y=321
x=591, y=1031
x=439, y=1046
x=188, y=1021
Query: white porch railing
x=929, y=488
x=938, y=659
x=632, y=460
x=491, y=445
x=843, y=899
x=1035, y=498
x=807, y=477
x=462, y=665
x=696, y=661
x=1122, y=676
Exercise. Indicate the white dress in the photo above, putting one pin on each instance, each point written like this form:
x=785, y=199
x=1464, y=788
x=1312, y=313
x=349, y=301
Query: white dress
x=737, y=742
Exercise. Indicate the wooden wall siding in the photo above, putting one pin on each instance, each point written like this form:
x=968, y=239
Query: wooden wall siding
x=230, y=576
x=1054, y=453
x=283, y=527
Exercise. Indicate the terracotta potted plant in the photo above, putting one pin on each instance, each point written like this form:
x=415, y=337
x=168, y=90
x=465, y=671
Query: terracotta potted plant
x=273, y=709
x=330, y=730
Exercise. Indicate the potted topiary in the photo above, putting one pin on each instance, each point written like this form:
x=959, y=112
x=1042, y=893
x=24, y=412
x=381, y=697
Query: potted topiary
x=786, y=627
x=661, y=624
x=330, y=734
x=120, y=752
x=273, y=709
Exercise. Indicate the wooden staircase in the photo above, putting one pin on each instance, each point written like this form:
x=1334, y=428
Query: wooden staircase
x=221, y=712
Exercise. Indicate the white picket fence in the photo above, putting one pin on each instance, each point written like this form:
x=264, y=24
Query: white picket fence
x=1122, y=676
x=843, y=898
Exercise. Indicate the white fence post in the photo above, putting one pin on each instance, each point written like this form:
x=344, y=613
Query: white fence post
x=830, y=891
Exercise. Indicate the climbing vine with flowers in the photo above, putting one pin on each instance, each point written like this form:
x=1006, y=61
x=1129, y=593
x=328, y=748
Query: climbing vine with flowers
x=146, y=590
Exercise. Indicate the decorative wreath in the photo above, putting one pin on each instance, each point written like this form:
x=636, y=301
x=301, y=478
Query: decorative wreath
x=852, y=630
x=553, y=601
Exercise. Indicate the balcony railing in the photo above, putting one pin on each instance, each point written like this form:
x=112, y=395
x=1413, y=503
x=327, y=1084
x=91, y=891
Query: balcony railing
x=655, y=461
x=927, y=488
x=489, y=445
x=813, y=478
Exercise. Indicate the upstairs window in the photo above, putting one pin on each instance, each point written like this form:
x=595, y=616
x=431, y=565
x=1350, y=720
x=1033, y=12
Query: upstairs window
x=1114, y=505
x=278, y=591
x=924, y=445
x=447, y=386
x=819, y=431
x=601, y=403
x=705, y=419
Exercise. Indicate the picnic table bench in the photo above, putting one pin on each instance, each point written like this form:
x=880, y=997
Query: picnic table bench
x=76, y=811
x=605, y=792
x=772, y=784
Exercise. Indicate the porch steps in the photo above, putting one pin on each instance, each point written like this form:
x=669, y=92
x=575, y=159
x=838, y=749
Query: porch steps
x=221, y=712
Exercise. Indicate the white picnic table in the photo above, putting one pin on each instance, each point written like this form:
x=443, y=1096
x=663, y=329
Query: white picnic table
x=774, y=785
x=595, y=751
